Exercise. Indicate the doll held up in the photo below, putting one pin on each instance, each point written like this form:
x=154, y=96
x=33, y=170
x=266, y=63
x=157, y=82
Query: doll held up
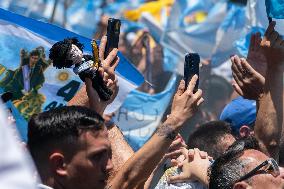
x=69, y=53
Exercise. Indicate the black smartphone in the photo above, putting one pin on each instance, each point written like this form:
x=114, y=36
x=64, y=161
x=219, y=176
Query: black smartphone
x=191, y=67
x=113, y=31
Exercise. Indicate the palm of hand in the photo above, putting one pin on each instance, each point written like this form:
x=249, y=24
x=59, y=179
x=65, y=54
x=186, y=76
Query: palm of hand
x=258, y=61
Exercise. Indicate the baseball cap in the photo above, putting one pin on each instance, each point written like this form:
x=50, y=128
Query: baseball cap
x=239, y=112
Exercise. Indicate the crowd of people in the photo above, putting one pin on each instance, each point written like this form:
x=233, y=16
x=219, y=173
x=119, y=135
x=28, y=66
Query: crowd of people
x=206, y=139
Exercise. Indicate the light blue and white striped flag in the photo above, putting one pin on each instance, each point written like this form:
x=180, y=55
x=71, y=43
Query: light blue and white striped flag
x=229, y=31
x=80, y=16
x=200, y=37
x=256, y=21
x=256, y=16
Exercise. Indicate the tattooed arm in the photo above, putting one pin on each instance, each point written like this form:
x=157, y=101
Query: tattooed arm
x=139, y=167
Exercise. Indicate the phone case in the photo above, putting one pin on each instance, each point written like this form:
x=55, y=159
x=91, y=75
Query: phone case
x=113, y=31
x=191, y=67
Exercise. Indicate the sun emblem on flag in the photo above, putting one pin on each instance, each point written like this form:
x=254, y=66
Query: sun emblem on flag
x=63, y=76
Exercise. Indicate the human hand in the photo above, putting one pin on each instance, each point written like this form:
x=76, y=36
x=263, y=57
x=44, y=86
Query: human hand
x=248, y=82
x=256, y=57
x=194, y=167
x=109, y=65
x=95, y=101
x=273, y=47
x=185, y=102
x=175, y=148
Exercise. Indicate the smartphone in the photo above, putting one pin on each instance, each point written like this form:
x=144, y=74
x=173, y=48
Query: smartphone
x=113, y=31
x=191, y=67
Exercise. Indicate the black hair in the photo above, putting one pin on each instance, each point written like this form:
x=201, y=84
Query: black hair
x=59, y=51
x=208, y=136
x=60, y=126
x=281, y=151
x=228, y=168
x=35, y=53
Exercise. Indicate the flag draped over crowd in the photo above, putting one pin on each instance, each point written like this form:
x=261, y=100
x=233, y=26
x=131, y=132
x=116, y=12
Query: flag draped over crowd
x=50, y=87
x=215, y=29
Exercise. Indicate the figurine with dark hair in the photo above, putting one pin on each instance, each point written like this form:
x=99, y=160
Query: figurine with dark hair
x=69, y=52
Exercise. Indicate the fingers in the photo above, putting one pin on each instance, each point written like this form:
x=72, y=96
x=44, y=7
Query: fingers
x=115, y=63
x=177, y=178
x=181, y=88
x=270, y=29
x=273, y=38
x=110, y=58
x=197, y=97
x=185, y=153
x=237, y=70
x=192, y=83
x=191, y=153
x=257, y=41
x=174, y=154
x=174, y=144
x=278, y=41
x=102, y=48
x=203, y=154
x=238, y=89
x=200, y=101
x=245, y=65
x=252, y=42
x=237, y=64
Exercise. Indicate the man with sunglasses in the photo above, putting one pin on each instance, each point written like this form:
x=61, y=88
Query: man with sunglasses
x=244, y=166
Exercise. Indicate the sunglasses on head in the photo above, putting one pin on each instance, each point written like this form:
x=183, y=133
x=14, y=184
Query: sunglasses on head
x=269, y=166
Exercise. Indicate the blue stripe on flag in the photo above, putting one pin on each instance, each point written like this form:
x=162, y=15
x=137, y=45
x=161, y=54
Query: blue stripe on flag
x=55, y=33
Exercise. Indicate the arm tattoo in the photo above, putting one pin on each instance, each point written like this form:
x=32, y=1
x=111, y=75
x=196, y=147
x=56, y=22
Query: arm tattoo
x=108, y=187
x=168, y=131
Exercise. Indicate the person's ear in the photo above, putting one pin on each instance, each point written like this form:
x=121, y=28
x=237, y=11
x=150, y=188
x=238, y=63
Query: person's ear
x=57, y=164
x=245, y=131
x=241, y=185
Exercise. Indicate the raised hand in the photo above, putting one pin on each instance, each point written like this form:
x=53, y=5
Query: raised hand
x=185, y=102
x=107, y=70
x=273, y=47
x=249, y=83
x=256, y=57
x=194, y=167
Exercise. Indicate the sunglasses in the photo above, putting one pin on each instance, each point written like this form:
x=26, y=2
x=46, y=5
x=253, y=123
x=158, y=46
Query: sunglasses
x=269, y=166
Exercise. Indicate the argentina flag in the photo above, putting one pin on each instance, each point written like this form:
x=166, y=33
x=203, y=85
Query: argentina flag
x=24, y=39
x=256, y=21
x=141, y=113
x=181, y=37
x=229, y=31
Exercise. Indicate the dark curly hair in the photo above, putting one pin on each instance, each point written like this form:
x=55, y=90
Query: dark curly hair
x=58, y=52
